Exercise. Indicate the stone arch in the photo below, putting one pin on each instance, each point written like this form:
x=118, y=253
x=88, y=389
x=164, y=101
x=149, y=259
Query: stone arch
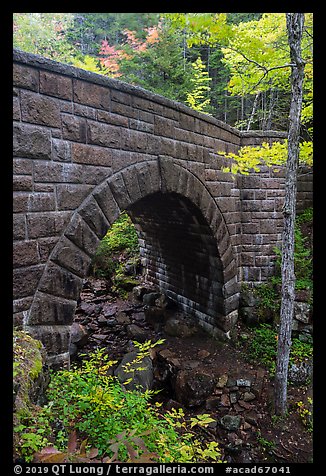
x=53, y=307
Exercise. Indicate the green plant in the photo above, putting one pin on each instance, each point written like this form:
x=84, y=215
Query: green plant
x=117, y=249
x=306, y=413
x=302, y=255
x=265, y=443
x=252, y=158
x=198, y=99
x=29, y=440
x=262, y=347
x=269, y=301
x=112, y=424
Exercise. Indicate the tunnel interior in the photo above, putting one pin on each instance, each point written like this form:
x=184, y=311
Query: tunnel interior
x=180, y=253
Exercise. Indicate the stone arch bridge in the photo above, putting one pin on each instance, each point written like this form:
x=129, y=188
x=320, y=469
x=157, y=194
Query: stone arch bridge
x=87, y=147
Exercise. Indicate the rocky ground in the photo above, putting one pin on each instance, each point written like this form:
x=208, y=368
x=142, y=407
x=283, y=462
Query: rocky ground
x=195, y=372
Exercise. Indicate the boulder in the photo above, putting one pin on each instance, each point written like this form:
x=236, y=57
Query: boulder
x=150, y=298
x=248, y=297
x=138, y=292
x=167, y=364
x=99, y=286
x=248, y=396
x=302, y=312
x=90, y=308
x=300, y=373
x=212, y=403
x=136, y=333
x=155, y=317
x=180, y=326
x=249, y=315
x=243, y=382
x=109, y=309
x=231, y=422
x=222, y=381
x=122, y=318
x=141, y=373
x=203, y=354
x=193, y=387
x=78, y=335
x=164, y=302
x=30, y=380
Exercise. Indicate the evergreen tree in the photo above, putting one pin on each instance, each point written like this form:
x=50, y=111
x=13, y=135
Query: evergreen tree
x=160, y=67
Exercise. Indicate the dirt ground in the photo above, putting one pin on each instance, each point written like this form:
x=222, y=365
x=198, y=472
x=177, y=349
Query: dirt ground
x=269, y=439
x=261, y=437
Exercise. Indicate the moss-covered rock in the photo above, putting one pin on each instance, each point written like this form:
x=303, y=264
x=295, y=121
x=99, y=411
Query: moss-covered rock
x=30, y=379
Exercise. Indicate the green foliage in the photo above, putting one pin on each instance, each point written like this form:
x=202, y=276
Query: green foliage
x=201, y=28
x=265, y=443
x=30, y=440
x=120, y=245
x=122, y=235
x=269, y=302
x=161, y=67
x=303, y=265
x=243, y=53
x=89, y=63
x=44, y=34
x=114, y=424
x=305, y=412
x=27, y=366
x=263, y=348
x=252, y=158
x=257, y=56
x=201, y=420
x=198, y=98
x=255, y=47
x=305, y=216
x=143, y=349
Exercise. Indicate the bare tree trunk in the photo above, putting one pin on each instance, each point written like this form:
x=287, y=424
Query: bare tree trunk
x=253, y=111
x=295, y=23
x=270, y=111
x=225, y=105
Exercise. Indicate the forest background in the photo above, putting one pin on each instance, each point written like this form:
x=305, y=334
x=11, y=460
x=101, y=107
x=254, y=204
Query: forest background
x=233, y=66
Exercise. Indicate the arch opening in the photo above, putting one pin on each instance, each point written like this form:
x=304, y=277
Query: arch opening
x=184, y=242
x=180, y=253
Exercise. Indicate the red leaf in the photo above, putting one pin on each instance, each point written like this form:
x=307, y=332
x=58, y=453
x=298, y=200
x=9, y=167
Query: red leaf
x=72, y=442
x=93, y=452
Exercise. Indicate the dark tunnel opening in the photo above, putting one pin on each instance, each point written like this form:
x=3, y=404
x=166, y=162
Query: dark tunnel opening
x=180, y=254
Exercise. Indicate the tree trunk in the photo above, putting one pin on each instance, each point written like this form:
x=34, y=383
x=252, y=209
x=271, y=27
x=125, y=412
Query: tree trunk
x=270, y=109
x=294, y=23
x=253, y=111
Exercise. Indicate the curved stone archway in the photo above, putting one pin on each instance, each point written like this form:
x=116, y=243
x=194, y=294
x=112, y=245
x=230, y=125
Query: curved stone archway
x=158, y=188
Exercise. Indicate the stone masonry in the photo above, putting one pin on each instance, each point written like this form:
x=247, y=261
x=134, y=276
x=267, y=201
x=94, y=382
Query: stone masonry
x=87, y=147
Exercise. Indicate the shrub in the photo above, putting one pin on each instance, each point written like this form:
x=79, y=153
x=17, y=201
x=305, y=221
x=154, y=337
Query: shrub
x=120, y=239
x=262, y=347
x=118, y=250
x=118, y=423
x=302, y=255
